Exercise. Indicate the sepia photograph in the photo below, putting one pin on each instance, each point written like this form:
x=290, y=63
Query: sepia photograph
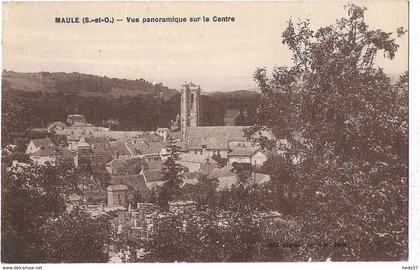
x=197, y=132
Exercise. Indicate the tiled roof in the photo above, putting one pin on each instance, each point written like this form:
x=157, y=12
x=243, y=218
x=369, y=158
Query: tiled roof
x=155, y=165
x=99, y=145
x=244, y=151
x=52, y=151
x=213, y=137
x=42, y=142
x=125, y=165
x=119, y=148
x=153, y=175
x=151, y=137
x=222, y=172
x=136, y=182
x=144, y=148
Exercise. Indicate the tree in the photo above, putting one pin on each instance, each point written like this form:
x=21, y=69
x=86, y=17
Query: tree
x=346, y=124
x=37, y=228
x=76, y=237
x=204, y=236
x=204, y=193
x=171, y=175
x=30, y=195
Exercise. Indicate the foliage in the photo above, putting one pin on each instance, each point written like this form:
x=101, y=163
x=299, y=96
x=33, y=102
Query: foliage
x=30, y=195
x=345, y=168
x=76, y=237
x=171, y=175
x=23, y=110
x=34, y=213
x=204, y=193
x=216, y=235
x=203, y=236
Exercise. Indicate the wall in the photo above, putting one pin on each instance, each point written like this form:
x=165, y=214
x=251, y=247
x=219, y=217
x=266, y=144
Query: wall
x=239, y=159
x=114, y=200
x=258, y=158
x=198, y=155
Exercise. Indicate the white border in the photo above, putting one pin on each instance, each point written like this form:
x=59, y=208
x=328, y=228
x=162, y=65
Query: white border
x=414, y=191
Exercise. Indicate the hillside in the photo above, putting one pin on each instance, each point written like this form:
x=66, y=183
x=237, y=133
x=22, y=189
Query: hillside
x=31, y=100
x=82, y=84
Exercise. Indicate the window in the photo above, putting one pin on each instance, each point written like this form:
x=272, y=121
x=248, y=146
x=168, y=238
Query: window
x=195, y=152
x=201, y=152
x=192, y=100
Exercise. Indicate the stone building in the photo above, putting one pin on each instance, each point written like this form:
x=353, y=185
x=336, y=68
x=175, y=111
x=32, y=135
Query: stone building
x=117, y=195
x=252, y=155
x=190, y=107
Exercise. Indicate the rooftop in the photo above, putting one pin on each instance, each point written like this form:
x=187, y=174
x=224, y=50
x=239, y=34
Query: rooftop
x=244, y=151
x=213, y=137
x=42, y=142
x=52, y=151
x=153, y=175
x=117, y=187
x=136, y=182
x=142, y=147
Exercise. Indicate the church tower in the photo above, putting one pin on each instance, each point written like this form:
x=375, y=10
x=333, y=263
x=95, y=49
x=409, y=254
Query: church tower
x=190, y=107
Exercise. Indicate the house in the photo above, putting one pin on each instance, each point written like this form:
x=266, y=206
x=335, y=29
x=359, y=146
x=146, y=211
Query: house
x=49, y=154
x=118, y=195
x=119, y=149
x=93, y=153
x=252, y=155
x=152, y=177
x=150, y=150
x=41, y=151
x=135, y=182
x=38, y=144
x=125, y=165
x=202, y=142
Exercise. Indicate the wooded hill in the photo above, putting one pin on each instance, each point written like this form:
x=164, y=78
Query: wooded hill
x=83, y=84
x=34, y=100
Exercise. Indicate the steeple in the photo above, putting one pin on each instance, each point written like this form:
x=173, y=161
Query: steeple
x=190, y=107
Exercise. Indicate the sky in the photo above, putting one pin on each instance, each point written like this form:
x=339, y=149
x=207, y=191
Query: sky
x=218, y=56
